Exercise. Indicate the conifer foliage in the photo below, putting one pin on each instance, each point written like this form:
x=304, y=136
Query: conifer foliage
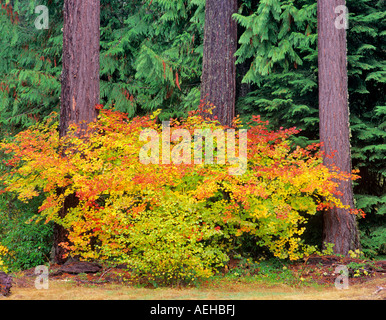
x=285, y=89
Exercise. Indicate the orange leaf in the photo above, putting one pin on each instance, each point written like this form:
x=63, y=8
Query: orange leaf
x=177, y=82
x=164, y=64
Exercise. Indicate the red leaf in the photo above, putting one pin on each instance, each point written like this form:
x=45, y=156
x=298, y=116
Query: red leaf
x=164, y=64
x=177, y=82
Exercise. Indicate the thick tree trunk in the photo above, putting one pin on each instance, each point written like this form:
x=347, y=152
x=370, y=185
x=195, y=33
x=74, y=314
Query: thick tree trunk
x=80, y=76
x=80, y=82
x=218, y=82
x=340, y=226
x=60, y=233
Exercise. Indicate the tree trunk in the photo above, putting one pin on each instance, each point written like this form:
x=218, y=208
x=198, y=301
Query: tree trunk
x=218, y=82
x=80, y=83
x=80, y=76
x=340, y=226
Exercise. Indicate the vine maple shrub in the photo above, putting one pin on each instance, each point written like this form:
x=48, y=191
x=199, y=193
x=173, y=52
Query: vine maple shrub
x=182, y=153
x=169, y=222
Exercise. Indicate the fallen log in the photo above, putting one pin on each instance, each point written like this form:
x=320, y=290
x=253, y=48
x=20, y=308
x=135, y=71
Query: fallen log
x=76, y=267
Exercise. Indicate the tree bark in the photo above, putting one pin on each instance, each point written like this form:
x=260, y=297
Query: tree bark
x=340, y=226
x=80, y=76
x=218, y=82
x=80, y=83
x=60, y=233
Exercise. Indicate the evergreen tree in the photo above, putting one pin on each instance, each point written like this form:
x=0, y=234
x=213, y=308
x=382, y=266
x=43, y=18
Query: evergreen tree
x=339, y=225
x=285, y=90
x=367, y=78
x=279, y=41
x=80, y=74
x=152, y=58
x=30, y=64
x=218, y=83
x=80, y=84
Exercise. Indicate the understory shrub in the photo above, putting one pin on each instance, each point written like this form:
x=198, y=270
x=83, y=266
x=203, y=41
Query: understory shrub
x=3, y=252
x=173, y=222
x=25, y=244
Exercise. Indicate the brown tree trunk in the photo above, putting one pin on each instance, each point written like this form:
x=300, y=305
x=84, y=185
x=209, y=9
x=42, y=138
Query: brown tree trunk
x=60, y=233
x=80, y=76
x=80, y=82
x=218, y=82
x=340, y=226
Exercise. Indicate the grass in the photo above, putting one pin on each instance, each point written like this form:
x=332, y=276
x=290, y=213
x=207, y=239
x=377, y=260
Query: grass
x=224, y=289
x=244, y=280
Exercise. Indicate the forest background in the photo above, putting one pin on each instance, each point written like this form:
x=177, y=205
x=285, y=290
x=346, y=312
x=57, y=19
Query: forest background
x=151, y=57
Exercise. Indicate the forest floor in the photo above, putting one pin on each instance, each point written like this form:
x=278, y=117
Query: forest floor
x=312, y=279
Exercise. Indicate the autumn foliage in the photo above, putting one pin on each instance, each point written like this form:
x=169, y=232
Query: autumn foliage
x=166, y=221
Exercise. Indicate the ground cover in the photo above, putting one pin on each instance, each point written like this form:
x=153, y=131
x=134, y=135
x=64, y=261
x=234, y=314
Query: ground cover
x=241, y=279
